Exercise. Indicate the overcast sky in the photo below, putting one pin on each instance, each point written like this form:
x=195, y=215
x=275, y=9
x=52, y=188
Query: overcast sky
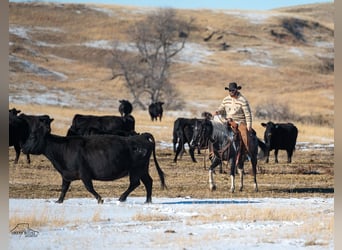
x=193, y=4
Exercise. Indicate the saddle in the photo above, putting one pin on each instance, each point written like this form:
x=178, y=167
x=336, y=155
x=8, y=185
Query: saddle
x=241, y=136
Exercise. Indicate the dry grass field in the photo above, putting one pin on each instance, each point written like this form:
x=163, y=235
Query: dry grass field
x=58, y=68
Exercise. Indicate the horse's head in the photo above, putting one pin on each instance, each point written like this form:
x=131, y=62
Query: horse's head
x=202, y=132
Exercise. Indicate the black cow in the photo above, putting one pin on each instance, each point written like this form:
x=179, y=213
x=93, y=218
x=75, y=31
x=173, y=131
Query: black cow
x=125, y=107
x=182, y=134
x=13, y=112
x=280, y=136
x=97, y=157
x=19, y=129
x=156, y=110
x=91, y=124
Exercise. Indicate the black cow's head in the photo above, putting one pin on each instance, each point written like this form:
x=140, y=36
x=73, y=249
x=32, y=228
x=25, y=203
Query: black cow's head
x=202, y=132
x=159, y=105
x=40, y=127
x=125, y=107
x=14, y=111
x=269, y=132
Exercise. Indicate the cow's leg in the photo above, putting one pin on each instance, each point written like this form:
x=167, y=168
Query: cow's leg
x=276, y=155
x=134, y=182
x=178, y=150
x=65, y=188
x=28, y=160
x=182, y=152
x=267, y=153
x=289, y=155
x=192, y=153
x=17, y=153
x=89, y=186
x=147, y=181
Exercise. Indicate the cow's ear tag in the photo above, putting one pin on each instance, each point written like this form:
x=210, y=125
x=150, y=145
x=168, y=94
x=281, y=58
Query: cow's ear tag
x=276, y=126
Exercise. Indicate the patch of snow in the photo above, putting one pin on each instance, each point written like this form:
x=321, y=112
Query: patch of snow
x=329, y=45
x=306, y=146
x=19, y=31
x=167, y=223
x=49, y=29
x=35, y=93
x=193, y=53
x=30, y=67
x=100, y=44
x=253, y=17
x=103, y=10
x=257, y=57
x=267, y=63
x=296, y=51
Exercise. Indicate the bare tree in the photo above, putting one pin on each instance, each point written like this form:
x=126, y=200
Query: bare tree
x=145, y=62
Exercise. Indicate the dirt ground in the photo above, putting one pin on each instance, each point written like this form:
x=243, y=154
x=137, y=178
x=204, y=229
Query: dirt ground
x=311, y=174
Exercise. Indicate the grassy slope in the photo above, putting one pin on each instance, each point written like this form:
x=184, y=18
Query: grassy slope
x=294, y=78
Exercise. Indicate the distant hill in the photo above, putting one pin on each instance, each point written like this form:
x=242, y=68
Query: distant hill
x=58, y=56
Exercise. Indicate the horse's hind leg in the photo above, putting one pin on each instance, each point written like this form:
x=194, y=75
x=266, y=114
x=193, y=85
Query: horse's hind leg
x=232, y=174
x=254, y=168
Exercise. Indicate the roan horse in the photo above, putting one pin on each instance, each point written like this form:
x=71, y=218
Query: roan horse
x=226, y=147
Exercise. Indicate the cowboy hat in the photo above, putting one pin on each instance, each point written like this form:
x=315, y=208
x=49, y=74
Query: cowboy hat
x=232, y=86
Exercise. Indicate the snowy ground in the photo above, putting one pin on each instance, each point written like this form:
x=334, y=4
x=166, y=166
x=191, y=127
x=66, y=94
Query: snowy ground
x=169, y=223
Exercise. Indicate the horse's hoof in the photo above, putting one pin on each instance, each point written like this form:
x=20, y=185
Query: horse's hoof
x=213, y=188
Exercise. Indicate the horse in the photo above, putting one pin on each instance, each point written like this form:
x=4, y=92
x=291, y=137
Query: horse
x=226, y=145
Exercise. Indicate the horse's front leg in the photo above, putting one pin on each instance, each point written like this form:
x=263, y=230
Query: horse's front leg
x=215, y=161
x=241, y=171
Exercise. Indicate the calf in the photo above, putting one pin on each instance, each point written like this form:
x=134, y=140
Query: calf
x=19, y=129
x=97, y=157
x=280, y=136
x=91, y=124
x=156, y=110
x=125, y=107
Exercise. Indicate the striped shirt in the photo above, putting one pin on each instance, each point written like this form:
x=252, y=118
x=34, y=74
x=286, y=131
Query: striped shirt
x=236, y=108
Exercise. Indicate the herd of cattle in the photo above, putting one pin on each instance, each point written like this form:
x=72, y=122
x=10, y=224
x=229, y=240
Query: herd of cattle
x=108, y=147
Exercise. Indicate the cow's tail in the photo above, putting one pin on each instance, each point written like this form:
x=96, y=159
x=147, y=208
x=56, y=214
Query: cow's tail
x=159, y=170
x=262, y=146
